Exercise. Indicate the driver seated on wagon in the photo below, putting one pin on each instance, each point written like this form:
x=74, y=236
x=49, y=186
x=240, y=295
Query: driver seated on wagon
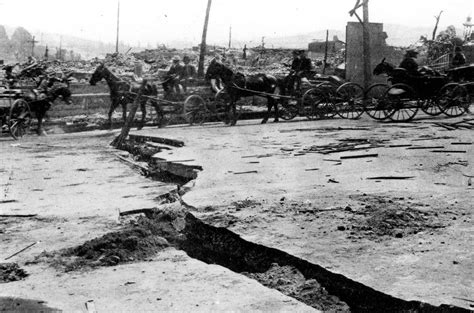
x=171, y=84
x=409, y=63
x=213, y=75
x=301, y=69
x=409, y=69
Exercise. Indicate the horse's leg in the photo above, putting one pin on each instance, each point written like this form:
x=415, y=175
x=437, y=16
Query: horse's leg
x=113, y=105
x=40, y=116
x=227, y=113
x=234, y=113
x=143, y=108
x=274, y=103
x=124, y=111
x=109, y=119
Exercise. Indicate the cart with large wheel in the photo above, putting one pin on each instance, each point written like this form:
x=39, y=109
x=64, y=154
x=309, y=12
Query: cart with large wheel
x=15, y=113
x=329, y=96
x=401, y=101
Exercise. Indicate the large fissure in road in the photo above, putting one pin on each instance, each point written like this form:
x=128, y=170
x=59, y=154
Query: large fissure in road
x=172, y=225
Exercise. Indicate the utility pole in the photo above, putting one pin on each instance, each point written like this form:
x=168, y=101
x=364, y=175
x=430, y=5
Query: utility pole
x=118, y=23
x=60, y=48
x=230, y=36
x=366, y=39
x=326, y=52
x=203, y=41
x=32, y=41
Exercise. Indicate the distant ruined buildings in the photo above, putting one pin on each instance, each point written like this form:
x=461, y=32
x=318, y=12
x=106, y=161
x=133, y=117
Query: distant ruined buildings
x=19, y=46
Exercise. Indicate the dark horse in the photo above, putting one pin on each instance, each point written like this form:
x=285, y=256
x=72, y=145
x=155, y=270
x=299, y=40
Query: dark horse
x=238, y=85
x=123, y=93
x=41, y=103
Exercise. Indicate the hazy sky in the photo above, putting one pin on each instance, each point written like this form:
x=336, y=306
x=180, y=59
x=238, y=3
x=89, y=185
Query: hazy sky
x=153, y=21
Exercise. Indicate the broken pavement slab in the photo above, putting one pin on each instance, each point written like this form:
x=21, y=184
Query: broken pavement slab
x=171, y=281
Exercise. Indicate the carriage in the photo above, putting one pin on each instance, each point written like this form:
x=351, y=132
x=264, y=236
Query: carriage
x=195, y=106
x=15, y=113
x=431, y=92
x=317, y=98
x=325, y=97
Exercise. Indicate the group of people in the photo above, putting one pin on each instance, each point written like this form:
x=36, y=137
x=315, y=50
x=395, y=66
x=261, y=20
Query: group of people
x=179, y=76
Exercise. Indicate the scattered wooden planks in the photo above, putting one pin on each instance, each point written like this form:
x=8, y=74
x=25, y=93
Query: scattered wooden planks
x=425, y=147
x=448, y=151
x=464, y=124
x=390, y=177
x=18, y=215
x=20, y=251
x=461, y=143
x=344, y=145
x=247, y=172
x=358, y=156
x=8, y=201
x=399, y=146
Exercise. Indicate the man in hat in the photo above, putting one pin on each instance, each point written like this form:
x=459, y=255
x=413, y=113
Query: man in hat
x=409, y=63
x=213, y=75
x=171, y=83
x=459, y=58
x=189, y=72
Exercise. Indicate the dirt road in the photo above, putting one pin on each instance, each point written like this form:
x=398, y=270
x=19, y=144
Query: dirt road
x=74, y=187
x=399, y=221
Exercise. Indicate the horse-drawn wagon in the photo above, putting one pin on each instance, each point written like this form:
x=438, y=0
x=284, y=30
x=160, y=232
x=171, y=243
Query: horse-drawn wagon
x=431, y=92
x=20, y=103
x=15, y=113
x=194, y=106
x=321, y=97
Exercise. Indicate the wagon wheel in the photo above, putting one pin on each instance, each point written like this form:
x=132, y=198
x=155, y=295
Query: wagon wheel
x=375, y=101
x=316, y=105
x=402, y=103
x=194, y=110
x=431, y=107
x=454, y=99
x=350, y=101
x=19, y=120
x=329, y=91
x=220, y=107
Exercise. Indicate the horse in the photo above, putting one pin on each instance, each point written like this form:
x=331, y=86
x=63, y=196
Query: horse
x=123, y=93
x=41, y=103
x=238, y=85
